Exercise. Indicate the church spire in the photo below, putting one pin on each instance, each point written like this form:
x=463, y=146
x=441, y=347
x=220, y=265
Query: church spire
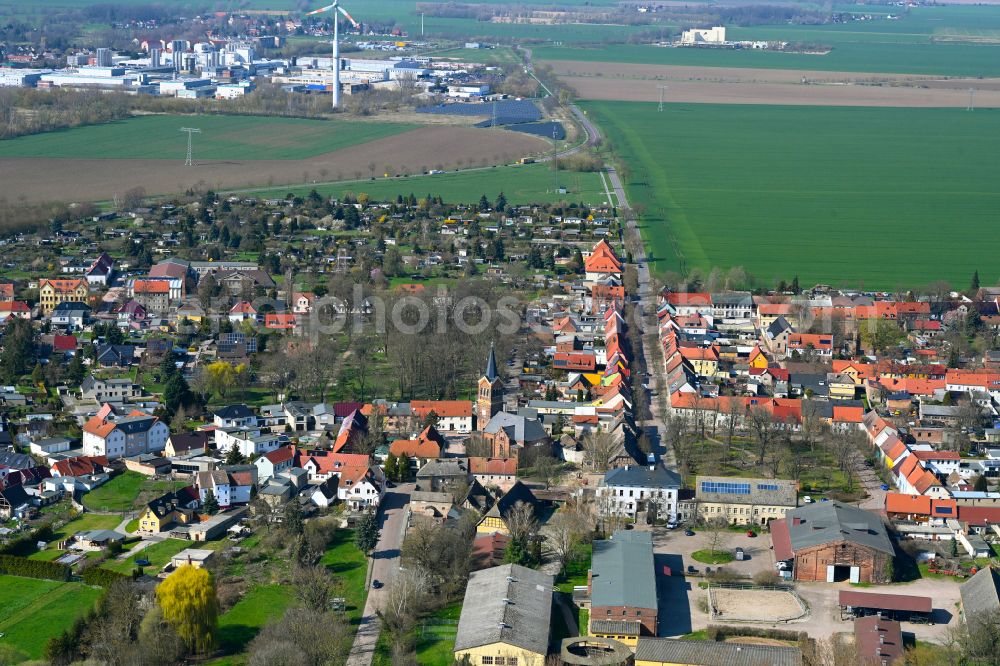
x=491, y=366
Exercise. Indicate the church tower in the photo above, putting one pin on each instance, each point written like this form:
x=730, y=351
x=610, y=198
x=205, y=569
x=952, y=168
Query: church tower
x=489, y=396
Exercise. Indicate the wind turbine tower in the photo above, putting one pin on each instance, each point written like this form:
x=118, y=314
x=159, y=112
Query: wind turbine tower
x=334, y=8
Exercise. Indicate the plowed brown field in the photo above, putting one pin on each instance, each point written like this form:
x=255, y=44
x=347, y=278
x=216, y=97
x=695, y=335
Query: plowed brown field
x=439, y=147
x=730, y=85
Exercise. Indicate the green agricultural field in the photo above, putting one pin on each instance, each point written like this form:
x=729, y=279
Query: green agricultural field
x=528, y=183
x=927, y=58
x=222, y=138
x=32, y=611
x=874, y=197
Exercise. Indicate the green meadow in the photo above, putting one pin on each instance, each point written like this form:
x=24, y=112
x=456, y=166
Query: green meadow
x=221, y=138
x=527, y=183
x=872, y=197
x=32, y=611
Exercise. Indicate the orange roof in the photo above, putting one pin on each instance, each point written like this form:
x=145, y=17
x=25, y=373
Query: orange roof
x=864, y=370
x=63, y=285
x=912, y=504
x=848, y=414
x=443, y=408
x=415, y=448
x=151, y=287
x=333, y=462
x=96, y=425
x=493, y=466
x=774, y=309
x=818, y=341
x=14, y=306
x=279, y=320
x=602, y=259
x=7, y=290
x=700, y=353
x=923, y=481
x=689, y=298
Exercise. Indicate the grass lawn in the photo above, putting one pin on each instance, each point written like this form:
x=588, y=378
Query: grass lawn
x=32, y=611
x=712, y=556
x=521, y=184
x=88, y=521
x=350, y=566
x=435, y=637
x=576, y=570
x=158, y=555
x=222, y=138
x=242, y=622
x=791, y=190
x=583, y=621
x=115, y=495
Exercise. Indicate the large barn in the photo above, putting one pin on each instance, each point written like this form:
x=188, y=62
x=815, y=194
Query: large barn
x=832, y=542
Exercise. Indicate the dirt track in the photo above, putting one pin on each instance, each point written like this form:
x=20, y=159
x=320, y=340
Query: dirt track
x=731, y=85
x=47, y=179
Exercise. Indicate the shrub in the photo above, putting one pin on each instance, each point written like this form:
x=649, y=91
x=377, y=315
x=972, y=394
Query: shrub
x=101, y=577
x=24, y=545
x=22, y=566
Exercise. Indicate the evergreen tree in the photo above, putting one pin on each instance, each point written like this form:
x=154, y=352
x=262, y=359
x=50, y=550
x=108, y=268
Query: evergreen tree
x=75, y=370
x=177, y=393
x=234, y=456
x=501, y=201
x=974, y=287
x=391, y=467
x=484, y=203
x=366, y=533
x=981, y=484
x=292, y=519
x=211, y=503
x=795, y=285
x=18, y=354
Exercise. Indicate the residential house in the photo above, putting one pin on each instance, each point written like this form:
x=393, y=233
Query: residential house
x=231, y=488
x=637, y=491
x=53, y=292
x=274, y=462
x=494, y=472
x=70, y=314
x=235, y=416
x=80, y=466
x=442, y=474
x=111, y=436
x=495, y=520
x=18, y=309
x=427, y=445
x=452, y=415
x=101, y=271
x=601, y=263
x=878, y=639
x=177, y=507
x=185, y=443
x=115, y=356
x=505, y=617
x=109, y=390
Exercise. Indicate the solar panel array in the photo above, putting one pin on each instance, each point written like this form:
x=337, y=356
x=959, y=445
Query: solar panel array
x=508, y=111
x=726, y=487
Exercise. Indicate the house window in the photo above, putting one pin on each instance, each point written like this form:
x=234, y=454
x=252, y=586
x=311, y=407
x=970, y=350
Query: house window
x=498, y=661
x=488, y=661
x=511, y=661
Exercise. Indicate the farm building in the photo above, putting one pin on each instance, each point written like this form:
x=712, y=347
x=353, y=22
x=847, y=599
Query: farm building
x=505, y=617
x=669, y=651
x=832, y=542
x=891, y=606
x=878, y=639
x=622, y=587
x=981, y=594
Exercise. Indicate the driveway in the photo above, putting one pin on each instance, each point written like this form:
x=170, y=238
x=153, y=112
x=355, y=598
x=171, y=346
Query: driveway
x=384, y=565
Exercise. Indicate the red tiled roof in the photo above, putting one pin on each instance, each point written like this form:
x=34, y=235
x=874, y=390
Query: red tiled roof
x=63, y=286
x=151, y=287
x=909, y=504
x=780, y=539
x=493, y=466
x=443, y=408
x=602, y=259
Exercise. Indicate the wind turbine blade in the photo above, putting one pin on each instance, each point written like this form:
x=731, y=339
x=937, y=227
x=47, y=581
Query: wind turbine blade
x=321, y=10
x=349, y=17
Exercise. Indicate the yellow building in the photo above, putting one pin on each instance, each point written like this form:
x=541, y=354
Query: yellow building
x=673, y=652
x=624, y=631
x=505, y=617
x=495, y=519
x=841, y=386
x=741, y=501
x=167, y=510
x=53, y=292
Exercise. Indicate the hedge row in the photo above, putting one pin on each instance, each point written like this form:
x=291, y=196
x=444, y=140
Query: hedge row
x=22, y=566
x=719, y=633
x=102, y=577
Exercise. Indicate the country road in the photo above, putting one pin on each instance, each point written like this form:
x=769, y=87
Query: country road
x=385, y=564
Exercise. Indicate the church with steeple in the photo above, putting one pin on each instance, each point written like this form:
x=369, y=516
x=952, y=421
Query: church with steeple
x=489, y=394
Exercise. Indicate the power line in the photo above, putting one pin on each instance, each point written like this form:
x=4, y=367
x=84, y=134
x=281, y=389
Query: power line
x=972, y=100
x=662, y=88
x=190, y=154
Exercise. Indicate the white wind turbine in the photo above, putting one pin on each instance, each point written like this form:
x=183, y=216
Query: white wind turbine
x=335, y=7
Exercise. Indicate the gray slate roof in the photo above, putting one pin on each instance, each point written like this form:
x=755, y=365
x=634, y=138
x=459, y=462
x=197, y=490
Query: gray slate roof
x=623, y=572
x=830, y=522
x=508, y=604
x=981, y=593
x=712, y=653
x=785, y=495
x=519, y=428
x=641, y=476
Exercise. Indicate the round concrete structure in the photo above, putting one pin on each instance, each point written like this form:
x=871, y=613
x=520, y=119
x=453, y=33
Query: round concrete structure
x=594, y=651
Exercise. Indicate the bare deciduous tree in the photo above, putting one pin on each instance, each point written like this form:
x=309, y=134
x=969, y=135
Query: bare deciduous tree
x=599, y=449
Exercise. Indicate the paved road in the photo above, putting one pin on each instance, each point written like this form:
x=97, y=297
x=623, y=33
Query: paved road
x=385, y=564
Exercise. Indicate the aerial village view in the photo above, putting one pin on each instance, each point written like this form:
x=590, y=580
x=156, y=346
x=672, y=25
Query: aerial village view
x=483, y=333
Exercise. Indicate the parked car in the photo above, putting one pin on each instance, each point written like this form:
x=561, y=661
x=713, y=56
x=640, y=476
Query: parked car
x=692, y=569
x=884, y=486
x=688, y=532
x=740, y=554
x=751, y=533
x=376, y=584
x=807, y=500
